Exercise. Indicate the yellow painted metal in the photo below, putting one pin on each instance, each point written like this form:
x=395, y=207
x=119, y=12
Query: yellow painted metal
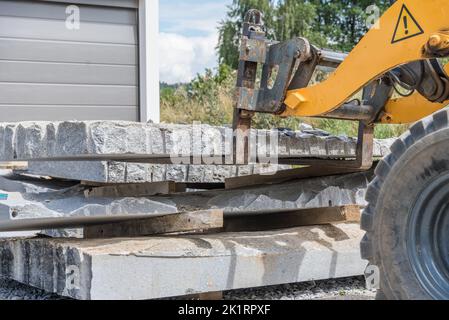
x=376, y=54
x=411, y=109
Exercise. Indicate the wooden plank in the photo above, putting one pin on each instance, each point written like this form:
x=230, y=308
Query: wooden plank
x=174, y=223
x=14, y=165
x=211, y=296
x=284, y=176
x=291, y=218
x=134, y=189
x=207, y=296
x=205, y=185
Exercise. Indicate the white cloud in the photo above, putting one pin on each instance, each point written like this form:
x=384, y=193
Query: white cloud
x=188, y=37
x=182, y=57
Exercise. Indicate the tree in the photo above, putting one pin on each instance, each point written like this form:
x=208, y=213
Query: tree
x=230, y=28
x=326, y=23
x=296, y=18
x=343, y=22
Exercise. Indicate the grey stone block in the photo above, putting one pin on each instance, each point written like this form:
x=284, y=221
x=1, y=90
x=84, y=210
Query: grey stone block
x=269, y=168
x=48, y=200
x=116, y=172
x=245, y=170
x=33, y=144
x=382, y=147
x=118, y=138
x=127, y=268
x=299, y=145
x=178, y=140
x=213, y=141
x=219, y=173
x=158, y=172
x=317, y=145
x=114, y=139
x=72, y=138
x=176, y=173
x=136, y=173
x=7, y=137
x=155, y=139
x=196, y=174
x=120, y=172
x=338, y=146
x=7, y=140
x=94, y=171
x=284, y=145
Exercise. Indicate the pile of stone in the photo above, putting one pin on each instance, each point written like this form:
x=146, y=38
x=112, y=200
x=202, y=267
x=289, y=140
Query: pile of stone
x=127, y=172
x=109, y=150
x=46, y=144
x=49, y=202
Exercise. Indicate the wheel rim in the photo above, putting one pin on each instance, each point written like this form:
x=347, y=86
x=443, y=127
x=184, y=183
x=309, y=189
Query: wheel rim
x=428, y=238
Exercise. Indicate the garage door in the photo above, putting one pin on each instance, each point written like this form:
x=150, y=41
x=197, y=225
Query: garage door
x=49, y=71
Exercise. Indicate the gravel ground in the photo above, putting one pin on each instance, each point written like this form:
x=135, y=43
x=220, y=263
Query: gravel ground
x=341, y=289
x=11, y=290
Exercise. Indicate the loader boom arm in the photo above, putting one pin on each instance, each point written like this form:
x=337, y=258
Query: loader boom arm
x=400, y=53
x=393, y=43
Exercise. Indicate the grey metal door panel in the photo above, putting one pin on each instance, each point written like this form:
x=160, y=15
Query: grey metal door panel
x=49, y=72
x=63, y=73
x=28, y=28
x=56, y=51
x=15, y=113
x=24, y=93
x=57, y=11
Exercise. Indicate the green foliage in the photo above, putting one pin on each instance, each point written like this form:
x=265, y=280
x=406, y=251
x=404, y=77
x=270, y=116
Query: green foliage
x=296, y=18
x=384, y=131
x=333, y=24
x=326, y=23
x=343, y=22
x=350, y=128
x=230, y=28
x=209, y=100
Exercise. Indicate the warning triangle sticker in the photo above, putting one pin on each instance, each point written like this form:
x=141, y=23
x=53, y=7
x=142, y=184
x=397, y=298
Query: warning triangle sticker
x=407, y=26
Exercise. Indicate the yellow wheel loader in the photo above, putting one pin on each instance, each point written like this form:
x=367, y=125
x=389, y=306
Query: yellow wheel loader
x=397, y=67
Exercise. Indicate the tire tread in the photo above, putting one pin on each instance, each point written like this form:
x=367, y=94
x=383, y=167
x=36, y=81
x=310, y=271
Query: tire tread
x=427, y=126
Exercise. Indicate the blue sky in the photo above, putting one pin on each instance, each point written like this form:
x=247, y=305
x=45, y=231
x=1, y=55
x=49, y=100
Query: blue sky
x=188, y=36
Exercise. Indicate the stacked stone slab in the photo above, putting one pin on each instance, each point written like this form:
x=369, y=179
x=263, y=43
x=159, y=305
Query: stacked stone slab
x=156, y=267
x=108, y=141
x=93, y=139
x=123, y=172
x=31, y=200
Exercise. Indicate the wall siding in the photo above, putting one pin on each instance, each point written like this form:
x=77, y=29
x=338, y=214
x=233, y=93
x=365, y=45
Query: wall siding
x=48, y=72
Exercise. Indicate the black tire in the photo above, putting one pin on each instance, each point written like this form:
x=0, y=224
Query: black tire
x=407, y=220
